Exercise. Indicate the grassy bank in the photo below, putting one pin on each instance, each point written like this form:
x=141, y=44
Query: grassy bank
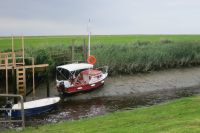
x=178, y=116
x=122, y=53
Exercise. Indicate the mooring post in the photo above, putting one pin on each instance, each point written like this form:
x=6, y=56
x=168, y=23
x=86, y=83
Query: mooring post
x=47, y=82
x=14, y=84
x=22, y=111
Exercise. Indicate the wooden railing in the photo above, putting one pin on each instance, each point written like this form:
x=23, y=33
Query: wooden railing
x=10, y=120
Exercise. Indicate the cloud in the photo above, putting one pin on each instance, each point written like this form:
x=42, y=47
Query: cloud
x=50, y=17
x=34, y=27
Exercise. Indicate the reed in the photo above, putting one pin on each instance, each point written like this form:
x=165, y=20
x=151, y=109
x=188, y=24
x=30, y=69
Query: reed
x=124, y=54
x=132, y=58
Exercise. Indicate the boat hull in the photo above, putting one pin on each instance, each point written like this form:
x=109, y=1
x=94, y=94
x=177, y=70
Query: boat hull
x=34, y=111
x=34, y=107
x=81, y=88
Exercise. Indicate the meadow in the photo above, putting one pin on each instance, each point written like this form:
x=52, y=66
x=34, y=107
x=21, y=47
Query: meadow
x=124, y=54
x=36, y=41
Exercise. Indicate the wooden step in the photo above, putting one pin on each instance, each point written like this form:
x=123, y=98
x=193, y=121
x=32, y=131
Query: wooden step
x=20, y=80
x=21, y=89
x=21, y=85
x=20, y=76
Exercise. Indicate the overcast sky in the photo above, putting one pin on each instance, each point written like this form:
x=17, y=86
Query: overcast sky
x=69, y=17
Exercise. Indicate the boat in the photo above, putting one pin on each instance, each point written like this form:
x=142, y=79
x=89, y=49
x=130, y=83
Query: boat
x=34, y=107
x=77, y=77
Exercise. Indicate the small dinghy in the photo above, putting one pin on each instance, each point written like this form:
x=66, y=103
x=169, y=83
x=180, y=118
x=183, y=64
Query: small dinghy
x=34, y=107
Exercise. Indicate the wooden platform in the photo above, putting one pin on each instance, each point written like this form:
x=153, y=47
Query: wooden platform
x=15, y=61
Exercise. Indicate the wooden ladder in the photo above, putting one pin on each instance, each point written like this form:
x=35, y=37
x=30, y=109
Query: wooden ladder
x=21, y=81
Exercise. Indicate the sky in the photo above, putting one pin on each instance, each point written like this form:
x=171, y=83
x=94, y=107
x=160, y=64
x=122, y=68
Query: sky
x=70, y=17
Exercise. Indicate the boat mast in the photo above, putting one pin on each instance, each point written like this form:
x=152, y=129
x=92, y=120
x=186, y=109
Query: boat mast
x=89, y=33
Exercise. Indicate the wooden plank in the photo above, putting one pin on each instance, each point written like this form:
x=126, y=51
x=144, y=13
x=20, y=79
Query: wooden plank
x=36, y=66
x=19, y=77
x=20, y=72
x=27, y=67
x=19, y=63
x=6, y=53
x=21, y=85
x=20, y=80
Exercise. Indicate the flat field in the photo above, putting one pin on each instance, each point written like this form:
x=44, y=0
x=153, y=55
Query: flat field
x=122, y=53
x=35, y=41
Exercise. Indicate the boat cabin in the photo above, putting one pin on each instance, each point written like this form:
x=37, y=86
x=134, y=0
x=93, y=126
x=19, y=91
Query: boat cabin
x=71, y=73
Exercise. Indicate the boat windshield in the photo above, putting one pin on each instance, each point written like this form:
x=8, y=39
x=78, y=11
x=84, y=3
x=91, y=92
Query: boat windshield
x=62, y=74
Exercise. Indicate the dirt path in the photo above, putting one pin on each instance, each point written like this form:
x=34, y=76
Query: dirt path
x=143, y=83
x=138, y=83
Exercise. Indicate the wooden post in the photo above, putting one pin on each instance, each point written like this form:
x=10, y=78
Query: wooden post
x=23, y=50
x=13, y=54
x=12, y=44
x=6, y=63
x=14, y=84
x=47, y=82
x=13, y=81
x=24, y=70
x=33, y=73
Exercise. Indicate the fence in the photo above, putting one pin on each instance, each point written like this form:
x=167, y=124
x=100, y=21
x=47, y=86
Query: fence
x=10, y=120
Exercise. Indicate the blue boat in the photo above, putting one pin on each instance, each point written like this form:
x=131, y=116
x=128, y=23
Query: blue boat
x=35, y=107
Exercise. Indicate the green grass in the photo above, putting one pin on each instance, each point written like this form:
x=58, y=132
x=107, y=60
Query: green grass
x=179, y=116
x=122, y=53
x=35, y=41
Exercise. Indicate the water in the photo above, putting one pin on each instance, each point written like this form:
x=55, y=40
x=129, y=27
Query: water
x=122, y=93
x=76, y=109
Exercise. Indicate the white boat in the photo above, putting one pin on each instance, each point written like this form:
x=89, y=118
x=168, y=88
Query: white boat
x=34, y=107
x=76, y=77
x=72, y=78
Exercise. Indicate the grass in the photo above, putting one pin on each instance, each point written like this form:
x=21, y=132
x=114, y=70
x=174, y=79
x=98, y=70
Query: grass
x=178, y=116
x=124, y=54
x=35, y=41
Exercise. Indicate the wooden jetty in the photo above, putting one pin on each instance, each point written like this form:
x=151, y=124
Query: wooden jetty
x=15, y=61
